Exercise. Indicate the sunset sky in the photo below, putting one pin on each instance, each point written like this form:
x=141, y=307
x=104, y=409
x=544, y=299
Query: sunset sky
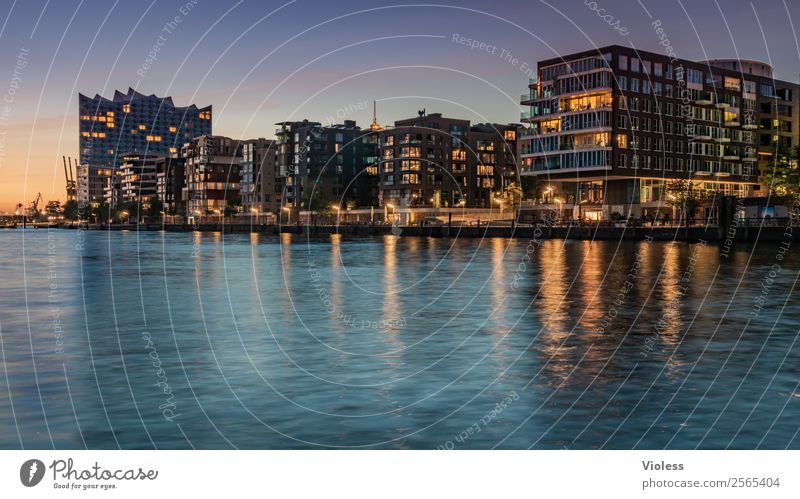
x=259, y=63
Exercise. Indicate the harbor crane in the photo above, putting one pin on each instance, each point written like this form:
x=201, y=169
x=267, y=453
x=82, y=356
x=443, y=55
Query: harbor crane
x=72, y=188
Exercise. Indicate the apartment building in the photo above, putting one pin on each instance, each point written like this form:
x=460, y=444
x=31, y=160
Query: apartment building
x=257, y=177
x=323, y=164
x=610, y=128
x=212, y=174
x=435, y=161
x=137, y=175
x=170, y=180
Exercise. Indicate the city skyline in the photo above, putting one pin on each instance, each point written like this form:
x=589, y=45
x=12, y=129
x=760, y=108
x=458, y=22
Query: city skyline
x=331, y=65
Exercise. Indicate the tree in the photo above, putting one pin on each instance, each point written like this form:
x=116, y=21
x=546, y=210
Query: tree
x=781, y=176
x=155, y=208
x=70, y=210
x=683, y=194
x=102, y=211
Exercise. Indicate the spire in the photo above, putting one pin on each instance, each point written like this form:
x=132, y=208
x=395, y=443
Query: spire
x=374, y=126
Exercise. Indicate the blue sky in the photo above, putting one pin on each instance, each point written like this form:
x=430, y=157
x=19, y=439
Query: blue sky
x=263, y=62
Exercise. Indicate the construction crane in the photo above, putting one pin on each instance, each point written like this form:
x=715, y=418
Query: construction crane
x=72, y=188
x=34, y=209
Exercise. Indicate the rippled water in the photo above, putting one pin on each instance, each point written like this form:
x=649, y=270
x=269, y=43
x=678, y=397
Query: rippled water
x=180, y=340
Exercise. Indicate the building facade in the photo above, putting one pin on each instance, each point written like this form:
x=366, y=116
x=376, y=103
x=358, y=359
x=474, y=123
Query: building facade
x=132, y=123
x=610, y=129
x=212, y=174
x=319, y=165
x=257, y=177
x=93, y=183
x=436, y=161
x=137, y=178
x=170, y=180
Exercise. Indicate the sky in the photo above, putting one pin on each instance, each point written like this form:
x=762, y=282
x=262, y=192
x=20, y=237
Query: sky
x=261, y=62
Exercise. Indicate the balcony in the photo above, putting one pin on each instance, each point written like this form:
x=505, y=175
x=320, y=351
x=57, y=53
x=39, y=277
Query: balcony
x=704, y=100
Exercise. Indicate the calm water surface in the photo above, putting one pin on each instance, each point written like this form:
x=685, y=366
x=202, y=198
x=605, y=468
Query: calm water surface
x=154, y=340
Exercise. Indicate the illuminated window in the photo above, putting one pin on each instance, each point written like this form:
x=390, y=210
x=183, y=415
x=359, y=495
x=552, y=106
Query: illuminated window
x=154, y=138
x=85, y=117
x=173, y=129
x=205, y=115
x=142, y=127
x=84, y=134
x=173, y=150
x=126, y=108
x=110, y=114
x=134, y=131
x=110, y=124
x=622, y=140
x=111, y=151
x=510, y=135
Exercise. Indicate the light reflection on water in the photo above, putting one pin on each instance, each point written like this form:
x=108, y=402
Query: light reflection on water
x=397, y=342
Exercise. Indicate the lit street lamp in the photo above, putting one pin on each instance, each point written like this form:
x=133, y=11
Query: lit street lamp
x=289, y=216
x=386, y=211
x=256, y=212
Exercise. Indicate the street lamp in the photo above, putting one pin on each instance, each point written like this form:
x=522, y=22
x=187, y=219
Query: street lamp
x=559, y=202
x=289, y=216
x=218, y=213
x=338, y=211
x=386, y=212
x=124, y=214
x=500, y=203
x=256, y=212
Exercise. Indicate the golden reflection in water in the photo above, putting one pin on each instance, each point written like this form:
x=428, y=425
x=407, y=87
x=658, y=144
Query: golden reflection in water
x=592, y=307
x=286, y=256
x=391, y=311
x=340, y=310
x=500, y=323
x=498, y=284
x=391, y=297
x=551, y=298
x=670, y=293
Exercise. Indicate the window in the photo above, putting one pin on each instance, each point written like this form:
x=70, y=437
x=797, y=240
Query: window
x=695, y=76
x=658, y=69
x=635, y=65
x=510, y=135
x=126, y=108
x=623, y=62
x=622, y=121
x=622, y=140
x=634, y=84
x=173, y=129
x=623, y=83
x=646, y=67
x=622, y=160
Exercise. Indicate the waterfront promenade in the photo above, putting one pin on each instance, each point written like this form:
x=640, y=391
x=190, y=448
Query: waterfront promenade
x=750, y=232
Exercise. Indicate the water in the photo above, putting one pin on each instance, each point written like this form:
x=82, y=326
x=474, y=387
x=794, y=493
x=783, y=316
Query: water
x=189, y=340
